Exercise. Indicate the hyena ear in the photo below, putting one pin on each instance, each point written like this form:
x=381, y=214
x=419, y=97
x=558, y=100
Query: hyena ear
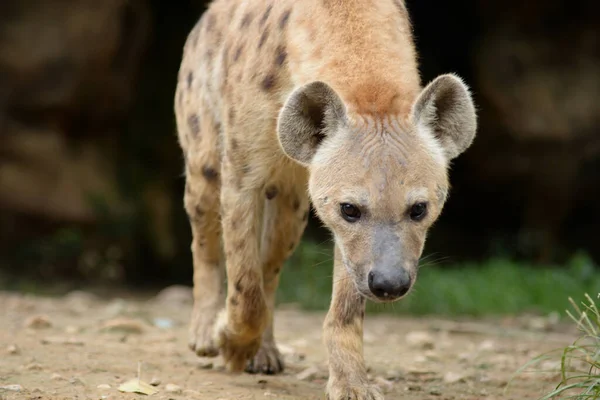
x=310, y=114
x=445, y=109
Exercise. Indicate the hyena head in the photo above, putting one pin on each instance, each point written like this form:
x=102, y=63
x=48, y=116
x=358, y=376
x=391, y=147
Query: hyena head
x=378, y=183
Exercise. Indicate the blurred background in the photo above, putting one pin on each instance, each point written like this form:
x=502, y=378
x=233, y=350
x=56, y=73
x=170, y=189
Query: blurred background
x=91, y=176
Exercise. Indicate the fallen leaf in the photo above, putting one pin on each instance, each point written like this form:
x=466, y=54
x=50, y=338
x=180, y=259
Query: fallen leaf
x=138, y=386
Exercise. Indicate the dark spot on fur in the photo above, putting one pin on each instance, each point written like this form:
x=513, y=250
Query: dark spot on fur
x=238, y=285
x=194, y=124
x=217, y=127
x=281, y=55
x=246, y=21
x=305, y=216
x=296, y=204
x=265, y=16
x=190, y=79
x=246, y=169
x=231, y=115
x=210, y=173
x=233, y=301
x=268, y=82
x=199, y=212
x=277, y=270
x=291, y=246
x=209, y=54
x=362, y=314
x=234, y=144
x=237, y=53
x=188, y=188
x=239, y=246
x=210, y=22
x=263, y=38
x=271, y=192
x=284, y=19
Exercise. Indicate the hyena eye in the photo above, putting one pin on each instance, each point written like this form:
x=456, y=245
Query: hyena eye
x=350, y=212
x=418, y=211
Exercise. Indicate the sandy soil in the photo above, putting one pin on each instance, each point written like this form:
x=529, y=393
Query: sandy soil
x=83, y=346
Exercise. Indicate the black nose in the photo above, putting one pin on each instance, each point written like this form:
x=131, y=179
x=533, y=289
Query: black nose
x=389, y=284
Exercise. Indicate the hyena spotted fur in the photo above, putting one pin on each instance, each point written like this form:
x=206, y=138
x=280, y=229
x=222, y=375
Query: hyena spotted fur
x=284, y=103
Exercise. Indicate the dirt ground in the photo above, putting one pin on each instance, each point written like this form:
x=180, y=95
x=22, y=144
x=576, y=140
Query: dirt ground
x=83, y=346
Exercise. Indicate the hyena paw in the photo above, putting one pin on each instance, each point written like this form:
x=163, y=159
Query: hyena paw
x=201, y=338
x=344, y=391
x=235, y=349
x=267, y=360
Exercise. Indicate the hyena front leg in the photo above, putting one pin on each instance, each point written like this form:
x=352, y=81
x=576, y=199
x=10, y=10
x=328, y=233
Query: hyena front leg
x=199, y=137
x=286, y=215
x=343, y=333
x=242, y=323
x=209, y=273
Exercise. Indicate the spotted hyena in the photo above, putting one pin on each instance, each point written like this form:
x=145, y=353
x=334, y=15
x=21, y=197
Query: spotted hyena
x=282, y=103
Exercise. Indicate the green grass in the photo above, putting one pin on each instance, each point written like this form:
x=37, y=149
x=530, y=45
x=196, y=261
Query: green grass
x=497, y=287
x=580, y=361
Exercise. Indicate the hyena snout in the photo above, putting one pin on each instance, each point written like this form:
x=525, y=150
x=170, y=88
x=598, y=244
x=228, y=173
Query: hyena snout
x=389, y=282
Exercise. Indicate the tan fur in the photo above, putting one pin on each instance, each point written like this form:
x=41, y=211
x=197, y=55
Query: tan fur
x=277, y=97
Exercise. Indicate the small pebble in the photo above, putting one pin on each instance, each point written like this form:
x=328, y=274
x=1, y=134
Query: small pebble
x=435, y=392
x=163, y=323
x=155, y=381
x=34, y=367
x=420, y=339
x=487, y=345
x=205, y=365
x=172, y=388
x=71, y=329
x=76, y=381
x=56, y=377
x=12, y=388
x=38, y=322
x=13, y=349
x=103, y=386
x=453, y=377
x=394, y=375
